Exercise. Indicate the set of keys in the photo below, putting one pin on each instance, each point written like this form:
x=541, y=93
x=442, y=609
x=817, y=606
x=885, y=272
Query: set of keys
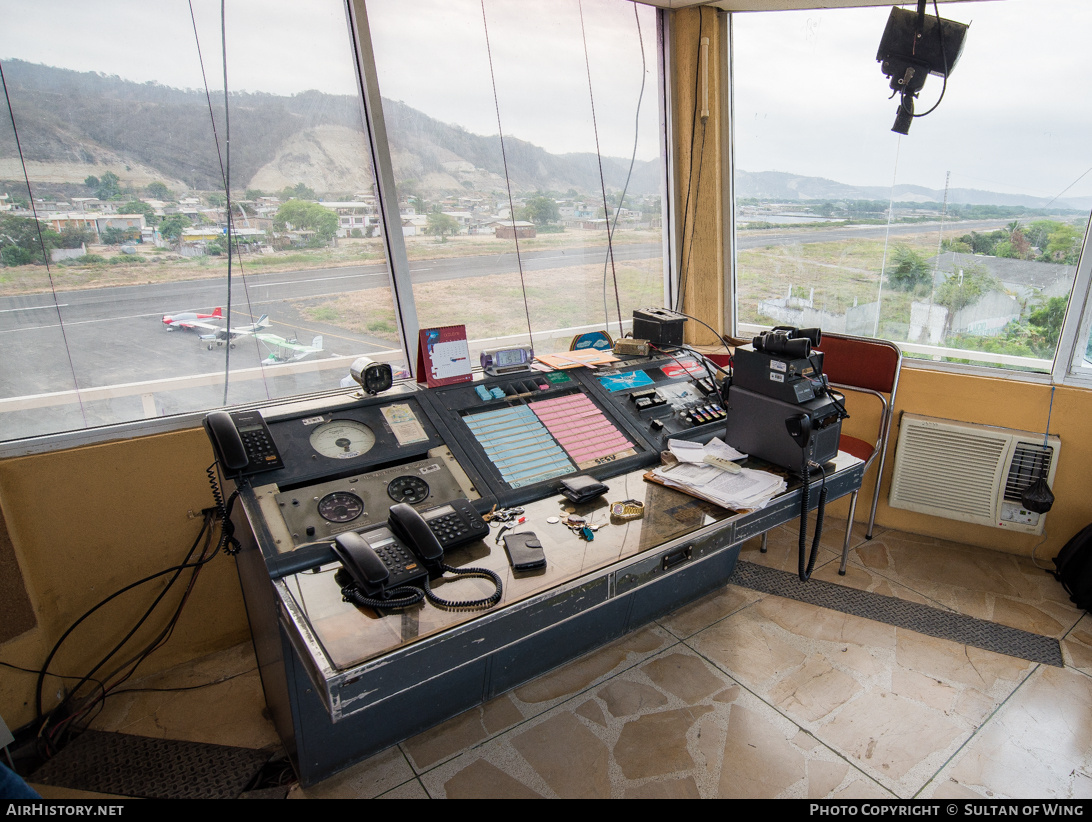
x=504, y=515
x=578, y=525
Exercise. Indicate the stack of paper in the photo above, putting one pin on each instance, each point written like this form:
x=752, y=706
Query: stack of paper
x=695, y=452
x=749, y=489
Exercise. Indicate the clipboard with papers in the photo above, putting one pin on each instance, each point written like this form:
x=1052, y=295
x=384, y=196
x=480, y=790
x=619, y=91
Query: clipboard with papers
x=743, y=489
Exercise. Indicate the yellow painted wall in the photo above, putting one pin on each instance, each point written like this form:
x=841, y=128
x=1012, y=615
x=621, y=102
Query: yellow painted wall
x=88, y=521
x=1009, y=404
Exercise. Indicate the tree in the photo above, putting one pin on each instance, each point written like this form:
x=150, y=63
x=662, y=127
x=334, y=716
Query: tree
x=22, y=239
x=964, y=288
x=1064, y=244
x=1047, y=320
x=306, y=216
x=107, y=187
x=541, y=210
x=73, y=237
x=159, y=191
x=171, y=227
x=115, y=236
x=298, y=192
x=441, y=224
x=910, y=269
x=216, y=199
x=137, y=207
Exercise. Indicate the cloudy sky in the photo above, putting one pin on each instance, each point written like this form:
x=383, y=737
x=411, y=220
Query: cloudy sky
x=430, y=54
x=1016, y=114
x=809, y=95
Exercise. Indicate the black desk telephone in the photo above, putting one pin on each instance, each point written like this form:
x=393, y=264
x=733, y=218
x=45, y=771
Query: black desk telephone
x=385, y=573
x=242, y=443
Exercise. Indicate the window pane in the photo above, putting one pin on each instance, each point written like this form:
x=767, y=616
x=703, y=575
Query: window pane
x=127, y=171
x=441, y=117
x=962, y=236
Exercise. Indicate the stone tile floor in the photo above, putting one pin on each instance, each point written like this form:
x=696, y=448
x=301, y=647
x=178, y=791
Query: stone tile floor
x=738, y=694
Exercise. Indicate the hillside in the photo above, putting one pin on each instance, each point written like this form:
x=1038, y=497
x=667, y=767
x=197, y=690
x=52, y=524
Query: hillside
x=74, y=124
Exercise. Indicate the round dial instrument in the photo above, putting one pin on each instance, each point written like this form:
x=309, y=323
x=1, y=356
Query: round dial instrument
x=407, y=488
x=342, y=439
x=340, y=506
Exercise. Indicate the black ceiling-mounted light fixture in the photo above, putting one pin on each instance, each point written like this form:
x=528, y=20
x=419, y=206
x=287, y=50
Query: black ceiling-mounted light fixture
x=912, y=47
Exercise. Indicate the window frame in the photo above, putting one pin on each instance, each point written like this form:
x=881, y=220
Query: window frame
x=1075, y=327
x=394, y=245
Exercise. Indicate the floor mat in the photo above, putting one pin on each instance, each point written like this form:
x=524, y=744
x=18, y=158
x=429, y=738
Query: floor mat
x=126, y=765
x=924, y=619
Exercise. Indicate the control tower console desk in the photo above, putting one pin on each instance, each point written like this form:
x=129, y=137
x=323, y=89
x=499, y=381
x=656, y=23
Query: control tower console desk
x=344, y=680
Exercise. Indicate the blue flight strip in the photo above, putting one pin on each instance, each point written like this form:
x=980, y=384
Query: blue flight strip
x=620, y=382
x=519, y=445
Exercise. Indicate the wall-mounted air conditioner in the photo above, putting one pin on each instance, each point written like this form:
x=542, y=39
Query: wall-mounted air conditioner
x=972, y=473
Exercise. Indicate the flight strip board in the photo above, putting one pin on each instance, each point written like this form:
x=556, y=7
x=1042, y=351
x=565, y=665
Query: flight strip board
x=548, y=438
x=524, y=432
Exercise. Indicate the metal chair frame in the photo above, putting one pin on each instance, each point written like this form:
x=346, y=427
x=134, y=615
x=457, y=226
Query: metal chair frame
x=884, y=383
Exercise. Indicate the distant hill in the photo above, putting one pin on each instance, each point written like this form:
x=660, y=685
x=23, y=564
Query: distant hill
x=75, y=119
x=779, y=185
x=74, y=124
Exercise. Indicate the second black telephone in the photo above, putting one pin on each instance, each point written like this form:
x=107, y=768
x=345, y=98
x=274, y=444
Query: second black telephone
x=385, y=572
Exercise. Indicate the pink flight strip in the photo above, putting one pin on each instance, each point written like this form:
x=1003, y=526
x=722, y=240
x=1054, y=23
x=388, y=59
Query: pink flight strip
x=581, y=428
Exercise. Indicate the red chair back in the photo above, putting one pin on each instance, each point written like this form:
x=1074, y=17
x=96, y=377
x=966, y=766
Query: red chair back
x=859, y=362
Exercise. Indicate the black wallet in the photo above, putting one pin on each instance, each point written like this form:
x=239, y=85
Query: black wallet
x=582, y=489
x=524, y=551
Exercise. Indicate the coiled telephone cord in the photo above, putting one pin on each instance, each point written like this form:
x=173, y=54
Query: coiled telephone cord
x=468, y=604
x=408, y=595
x=402, y=597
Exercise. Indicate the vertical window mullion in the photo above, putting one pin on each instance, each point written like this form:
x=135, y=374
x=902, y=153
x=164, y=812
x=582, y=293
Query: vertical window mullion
x=397, y=260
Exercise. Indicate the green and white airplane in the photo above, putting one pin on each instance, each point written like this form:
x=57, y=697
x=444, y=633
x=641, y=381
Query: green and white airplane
x=282, y=350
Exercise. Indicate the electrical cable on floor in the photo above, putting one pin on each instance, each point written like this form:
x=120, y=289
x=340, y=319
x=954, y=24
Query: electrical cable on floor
x=73, y=709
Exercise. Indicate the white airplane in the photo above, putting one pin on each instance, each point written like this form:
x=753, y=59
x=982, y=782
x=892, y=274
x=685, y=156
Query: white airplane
x=282, y=350
x=188, y=319
x=220, y=335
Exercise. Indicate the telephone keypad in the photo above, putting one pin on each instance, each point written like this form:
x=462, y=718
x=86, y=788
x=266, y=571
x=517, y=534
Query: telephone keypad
x=458, y=525
x=260, y=448
x=397, y=558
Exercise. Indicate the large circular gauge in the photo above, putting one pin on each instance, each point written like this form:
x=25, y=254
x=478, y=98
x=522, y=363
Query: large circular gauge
x=342, y=439
x=407, y=489
x=340, y=506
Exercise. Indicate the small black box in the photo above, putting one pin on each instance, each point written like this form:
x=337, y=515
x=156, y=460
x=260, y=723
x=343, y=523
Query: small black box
x=660, y=326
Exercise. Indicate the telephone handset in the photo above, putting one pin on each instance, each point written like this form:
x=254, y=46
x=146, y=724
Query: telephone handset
x=242, y=443
x=410, y=527
x=385, y=574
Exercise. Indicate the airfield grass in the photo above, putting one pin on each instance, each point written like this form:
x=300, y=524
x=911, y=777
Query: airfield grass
x=563, y=298
x=841, y=274
x=152, y=265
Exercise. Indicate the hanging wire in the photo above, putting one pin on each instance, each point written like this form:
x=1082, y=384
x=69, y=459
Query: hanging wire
x=887, y=237
x=603, y=184
x=41, y=242
x=507, y=179
x=225, y=174
x=608, y=260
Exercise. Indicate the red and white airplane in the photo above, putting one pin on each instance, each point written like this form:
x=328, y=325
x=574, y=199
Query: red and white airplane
x=188, y=319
